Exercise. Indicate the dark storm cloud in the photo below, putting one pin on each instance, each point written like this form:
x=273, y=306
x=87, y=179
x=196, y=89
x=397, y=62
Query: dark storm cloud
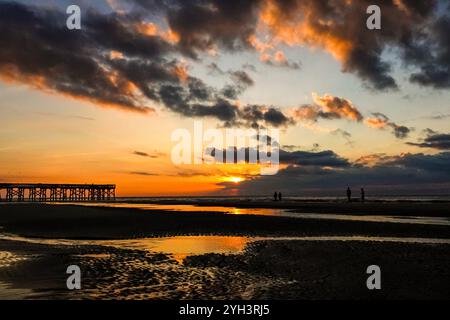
x=231, y=92
x=112, y=64
x=320, y=159
x=434, y=141
x=241, y=81
x=253, y=115
x=38, y=49
x=242, y=78
x=416, y=28
x=179, y=100
x=369, y=66
x=392, y=174
x=276, y=118
x=199, y=91
x=202, y=24
x=434, y=67
x=400, y=132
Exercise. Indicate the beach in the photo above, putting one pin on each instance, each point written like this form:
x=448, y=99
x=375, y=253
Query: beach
x=131, y=253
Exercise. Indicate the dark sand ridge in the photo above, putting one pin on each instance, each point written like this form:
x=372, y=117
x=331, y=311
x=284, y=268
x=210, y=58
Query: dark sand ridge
x=397, y=208
x=75, y=222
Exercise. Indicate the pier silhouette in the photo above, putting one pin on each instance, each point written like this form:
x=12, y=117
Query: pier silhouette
x=57, y=192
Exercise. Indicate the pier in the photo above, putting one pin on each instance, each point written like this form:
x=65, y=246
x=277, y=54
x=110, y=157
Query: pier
x=17, y=192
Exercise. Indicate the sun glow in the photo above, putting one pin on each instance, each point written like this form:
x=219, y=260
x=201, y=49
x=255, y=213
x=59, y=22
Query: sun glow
x=235, y=179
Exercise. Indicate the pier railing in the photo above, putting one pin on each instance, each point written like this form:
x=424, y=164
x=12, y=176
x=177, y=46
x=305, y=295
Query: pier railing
x=16, y=192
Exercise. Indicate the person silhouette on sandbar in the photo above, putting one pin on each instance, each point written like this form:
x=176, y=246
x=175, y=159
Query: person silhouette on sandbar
x=349, y=194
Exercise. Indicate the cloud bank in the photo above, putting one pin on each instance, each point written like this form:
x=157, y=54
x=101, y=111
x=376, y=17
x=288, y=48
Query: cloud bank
x=325, y=173
x=133, y=59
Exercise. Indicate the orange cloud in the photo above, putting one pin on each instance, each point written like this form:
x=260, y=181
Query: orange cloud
x=340, y=107
x=280, y=57
x=115, y=55
x=381, y=121
x=258, y=45
x=376, y=123
x=11, y=74
x=267, y=54
x=151, y=29
x=302, y=27
x=306, y=113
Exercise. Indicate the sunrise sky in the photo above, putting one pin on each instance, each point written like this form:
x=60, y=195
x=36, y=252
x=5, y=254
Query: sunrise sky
x=98, y=105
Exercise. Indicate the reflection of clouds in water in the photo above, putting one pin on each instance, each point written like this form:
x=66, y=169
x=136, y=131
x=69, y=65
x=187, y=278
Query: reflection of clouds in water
x=182, y=246
x=186, y=245
x=185, y=208
x=278, y=212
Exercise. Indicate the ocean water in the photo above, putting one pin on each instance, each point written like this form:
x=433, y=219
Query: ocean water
x=182, y=246
x=182, y=208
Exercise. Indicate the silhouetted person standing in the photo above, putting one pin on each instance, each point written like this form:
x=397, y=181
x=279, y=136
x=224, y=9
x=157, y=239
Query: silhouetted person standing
x=275, y=196
x=279, y=196
x=363, y=195
x=349, y=194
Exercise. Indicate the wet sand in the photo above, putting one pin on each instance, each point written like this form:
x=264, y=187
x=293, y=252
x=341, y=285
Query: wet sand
x=264, y=270
x=76, y=222
x=374, y=207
